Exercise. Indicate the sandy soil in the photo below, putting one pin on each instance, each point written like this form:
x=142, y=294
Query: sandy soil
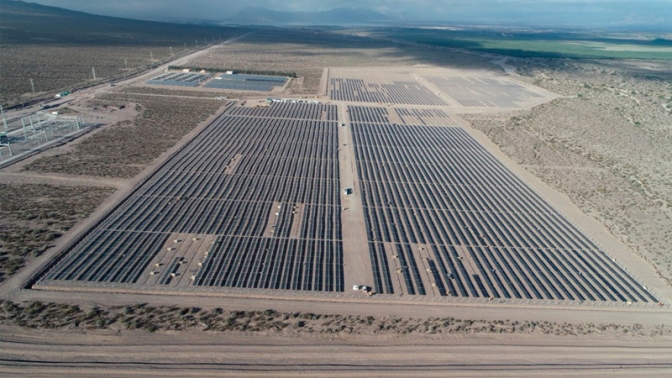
x=68, y=353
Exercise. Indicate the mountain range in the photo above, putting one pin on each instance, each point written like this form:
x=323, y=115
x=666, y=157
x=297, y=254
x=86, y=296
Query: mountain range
x=337, y=16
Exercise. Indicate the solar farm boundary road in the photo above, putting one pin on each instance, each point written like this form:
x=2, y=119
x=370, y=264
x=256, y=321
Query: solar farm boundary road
x=324, y=83
x=199, y=354
x=34, y=268
x=349, y=304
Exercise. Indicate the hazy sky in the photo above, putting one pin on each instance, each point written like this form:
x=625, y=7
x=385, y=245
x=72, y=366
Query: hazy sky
x=538, y=12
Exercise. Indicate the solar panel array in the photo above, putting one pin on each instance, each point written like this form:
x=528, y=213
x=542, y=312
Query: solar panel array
x=261, y=183
x=398, y=92
x=484, y=92
x=257, y=83
x=402, y=116
x=444, y=216
x=290, y=110
x=179, y=79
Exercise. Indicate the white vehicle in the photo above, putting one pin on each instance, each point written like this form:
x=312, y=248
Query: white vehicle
x=363, y=288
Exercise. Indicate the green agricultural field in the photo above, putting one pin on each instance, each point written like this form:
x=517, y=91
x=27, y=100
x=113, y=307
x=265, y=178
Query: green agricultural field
x=539, y=45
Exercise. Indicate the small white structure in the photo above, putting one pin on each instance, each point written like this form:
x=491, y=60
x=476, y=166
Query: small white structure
x=229, y=72
x=363, y=288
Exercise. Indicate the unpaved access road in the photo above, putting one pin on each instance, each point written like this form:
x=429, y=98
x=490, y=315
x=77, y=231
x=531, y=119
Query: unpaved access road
x=204, y=354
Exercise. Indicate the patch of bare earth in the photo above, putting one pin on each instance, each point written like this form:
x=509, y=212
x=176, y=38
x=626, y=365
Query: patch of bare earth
x=126, y=148
x=33, y=216
x=41, y=315
x=145, y=90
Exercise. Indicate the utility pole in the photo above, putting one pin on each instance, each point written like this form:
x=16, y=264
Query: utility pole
x=32, y=85
x=151, y=56
x=93, y=69
x=9, y=146
x=4, y=121
x=185, y=46
x=126, y=63
x=25, y=133
x=171, y=50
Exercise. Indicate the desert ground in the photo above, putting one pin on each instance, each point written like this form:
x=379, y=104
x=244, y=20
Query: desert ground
x=603, y=166
x=238, y=354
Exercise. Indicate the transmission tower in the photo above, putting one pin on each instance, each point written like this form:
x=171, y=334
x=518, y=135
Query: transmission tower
x=32, y=85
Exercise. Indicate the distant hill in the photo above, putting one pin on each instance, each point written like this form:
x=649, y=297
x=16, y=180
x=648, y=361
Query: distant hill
x=29, y=23
x=338, y=16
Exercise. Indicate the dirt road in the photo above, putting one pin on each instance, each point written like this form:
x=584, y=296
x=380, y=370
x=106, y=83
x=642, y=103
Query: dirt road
x=68, y=353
